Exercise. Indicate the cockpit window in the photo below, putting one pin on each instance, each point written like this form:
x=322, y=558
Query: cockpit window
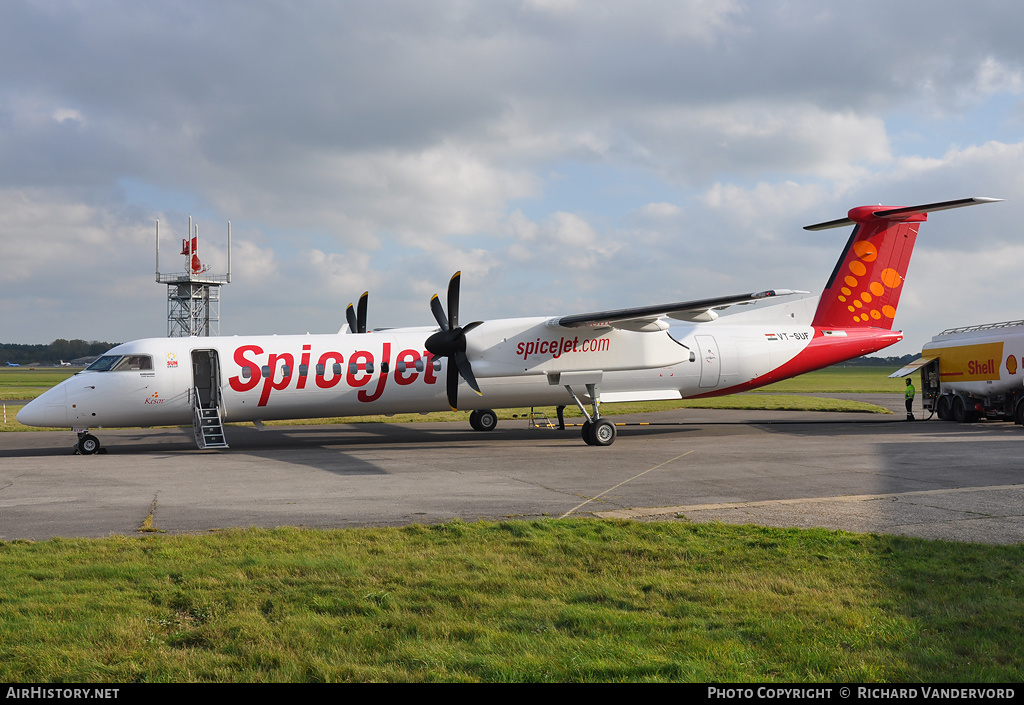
x=104, y=363
x=121, y=363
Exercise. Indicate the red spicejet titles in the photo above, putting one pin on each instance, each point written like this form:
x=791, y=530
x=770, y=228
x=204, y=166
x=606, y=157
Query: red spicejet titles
x=329, y=370
x=556, y=348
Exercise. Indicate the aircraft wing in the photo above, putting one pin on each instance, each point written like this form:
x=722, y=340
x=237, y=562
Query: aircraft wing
x=646, y=317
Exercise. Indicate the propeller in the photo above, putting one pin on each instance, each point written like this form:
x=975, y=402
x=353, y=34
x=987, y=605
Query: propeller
x=450, y=342
x=357, y=321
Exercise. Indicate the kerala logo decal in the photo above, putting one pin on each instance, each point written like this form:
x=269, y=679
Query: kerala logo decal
x=154, y=399
x=172, y=360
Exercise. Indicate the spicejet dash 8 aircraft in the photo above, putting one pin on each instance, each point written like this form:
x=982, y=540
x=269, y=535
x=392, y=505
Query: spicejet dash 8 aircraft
x=631, y=354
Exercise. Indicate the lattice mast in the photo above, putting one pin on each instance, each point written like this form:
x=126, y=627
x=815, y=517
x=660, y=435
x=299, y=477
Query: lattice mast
x=193, y=296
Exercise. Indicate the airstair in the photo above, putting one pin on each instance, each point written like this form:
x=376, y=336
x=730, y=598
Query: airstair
x=207, y=425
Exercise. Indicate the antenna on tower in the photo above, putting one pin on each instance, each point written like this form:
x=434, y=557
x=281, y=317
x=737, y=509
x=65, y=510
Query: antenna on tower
x=193, y=296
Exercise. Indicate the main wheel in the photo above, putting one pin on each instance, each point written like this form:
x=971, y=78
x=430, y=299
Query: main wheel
x=483, y=420
x=959, y=411
x=585, y=432
x=602, y=433
x=88, y=444
x=943, y=408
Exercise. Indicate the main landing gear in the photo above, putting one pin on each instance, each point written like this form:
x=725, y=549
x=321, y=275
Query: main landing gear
x=88, y=444
x=483, y=420
x=595, y=431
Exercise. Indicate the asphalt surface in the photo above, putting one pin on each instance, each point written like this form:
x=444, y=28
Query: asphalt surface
x=857, y=472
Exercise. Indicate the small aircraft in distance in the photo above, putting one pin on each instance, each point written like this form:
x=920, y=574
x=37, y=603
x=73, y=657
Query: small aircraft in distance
x=669, y=351
x=65, y=364
x=13, y=364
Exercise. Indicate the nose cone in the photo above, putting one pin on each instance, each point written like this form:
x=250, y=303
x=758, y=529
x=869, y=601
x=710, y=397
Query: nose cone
x=50, y=409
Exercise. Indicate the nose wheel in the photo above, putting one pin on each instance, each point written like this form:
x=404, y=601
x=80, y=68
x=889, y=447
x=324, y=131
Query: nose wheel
x=88, y=444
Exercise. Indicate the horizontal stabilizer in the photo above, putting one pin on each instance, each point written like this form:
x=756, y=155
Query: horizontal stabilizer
x=901, y=213
x=616, y=318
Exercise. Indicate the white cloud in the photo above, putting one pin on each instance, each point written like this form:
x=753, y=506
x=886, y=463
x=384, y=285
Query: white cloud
x=565, y=155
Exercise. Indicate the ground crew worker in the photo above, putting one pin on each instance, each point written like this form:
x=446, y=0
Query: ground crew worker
x=909, y=397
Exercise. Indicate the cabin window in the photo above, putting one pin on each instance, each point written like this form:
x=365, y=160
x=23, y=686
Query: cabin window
x=246, y=372
x=419, y=364
x=265, y=370
x=286, y=370
x=337, y=368
x=384, y=367
x=320, y=370
x=303, y=370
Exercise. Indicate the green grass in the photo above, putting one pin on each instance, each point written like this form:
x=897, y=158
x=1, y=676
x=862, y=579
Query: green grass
x=26, y=383
x=841, y=380
x=573, y=600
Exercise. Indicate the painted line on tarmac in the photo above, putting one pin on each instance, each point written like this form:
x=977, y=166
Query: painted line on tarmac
x=598, y=496
x=636, y=513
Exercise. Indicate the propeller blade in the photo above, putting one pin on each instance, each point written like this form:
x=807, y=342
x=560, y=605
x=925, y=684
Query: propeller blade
x=453, y=386
x=438, y=311
x=450, y=342
x=453, y=300
x=466, y=370
x=361, y=315
x=350, y=315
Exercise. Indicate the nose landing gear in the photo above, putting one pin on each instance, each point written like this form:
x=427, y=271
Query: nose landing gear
x=88, y=444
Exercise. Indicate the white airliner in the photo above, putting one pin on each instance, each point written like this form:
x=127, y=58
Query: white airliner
x=672, y=351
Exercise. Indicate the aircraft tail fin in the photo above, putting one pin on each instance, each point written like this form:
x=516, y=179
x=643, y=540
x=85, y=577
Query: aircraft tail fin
x=865, y=286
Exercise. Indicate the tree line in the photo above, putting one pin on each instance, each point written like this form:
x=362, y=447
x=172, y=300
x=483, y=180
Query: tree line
x=880, y=361
x=52, y=353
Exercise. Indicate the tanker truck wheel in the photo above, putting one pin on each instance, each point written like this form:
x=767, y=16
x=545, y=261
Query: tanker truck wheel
x=959, y=410
x=961, y=413
x=1018, y=413
x=943, y=408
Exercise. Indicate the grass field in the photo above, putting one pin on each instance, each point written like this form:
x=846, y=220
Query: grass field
x=25, y=383
x=574, y=600
x=841, y=380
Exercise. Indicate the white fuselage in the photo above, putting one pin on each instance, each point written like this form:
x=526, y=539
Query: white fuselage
x=518, y=362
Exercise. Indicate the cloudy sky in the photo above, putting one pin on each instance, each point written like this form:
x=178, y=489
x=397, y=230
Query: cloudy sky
x=566, y=155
